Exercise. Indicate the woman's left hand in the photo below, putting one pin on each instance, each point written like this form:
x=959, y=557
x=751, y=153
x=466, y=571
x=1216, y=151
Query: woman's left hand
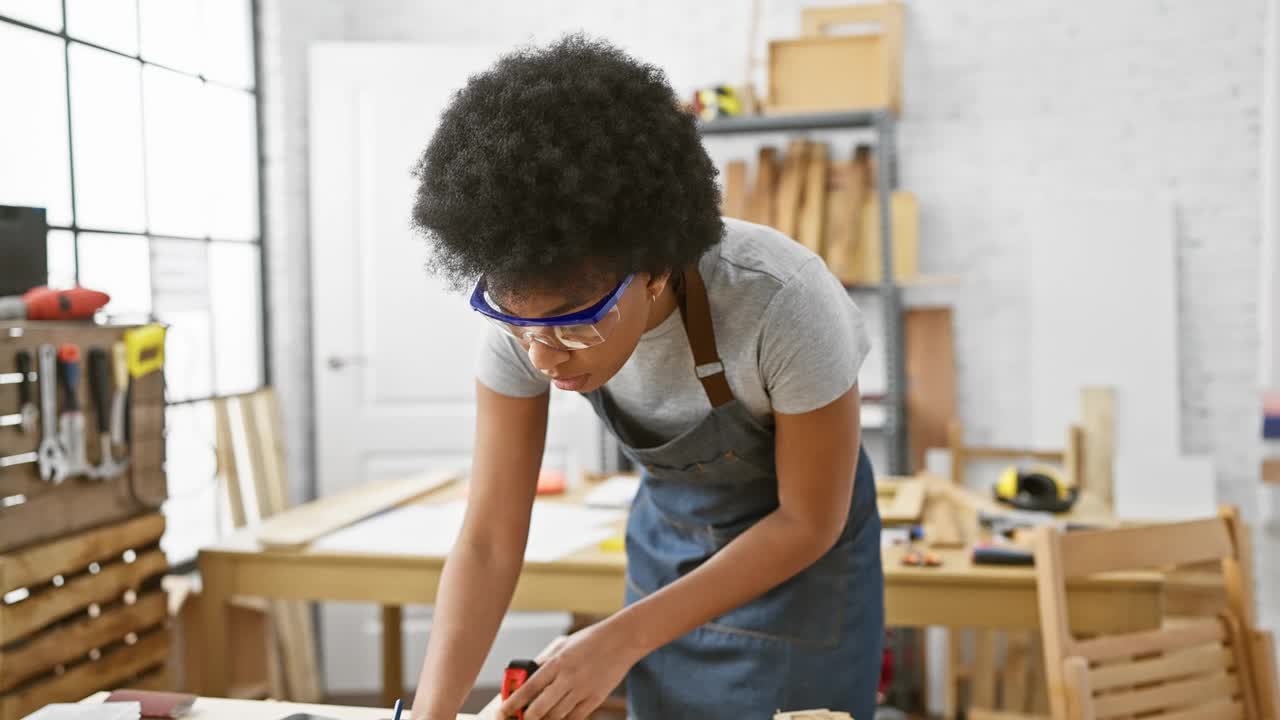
x=574, y=675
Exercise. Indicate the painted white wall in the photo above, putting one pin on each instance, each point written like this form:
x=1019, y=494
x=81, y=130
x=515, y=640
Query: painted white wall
x=1152, y=95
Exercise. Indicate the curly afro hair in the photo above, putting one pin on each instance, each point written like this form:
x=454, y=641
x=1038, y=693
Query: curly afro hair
x=565, y=166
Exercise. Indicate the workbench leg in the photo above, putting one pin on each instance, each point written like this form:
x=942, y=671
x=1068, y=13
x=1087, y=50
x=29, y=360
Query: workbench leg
x=215, y=605
x=392, y=657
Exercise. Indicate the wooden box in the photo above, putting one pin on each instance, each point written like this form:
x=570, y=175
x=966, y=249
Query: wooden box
x=823, y=71
x=33, y=511
x=83, y=614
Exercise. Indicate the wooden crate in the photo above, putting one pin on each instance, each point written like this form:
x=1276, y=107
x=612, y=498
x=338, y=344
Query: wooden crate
x=33, y=511
x=824, y=71
x=83, y=614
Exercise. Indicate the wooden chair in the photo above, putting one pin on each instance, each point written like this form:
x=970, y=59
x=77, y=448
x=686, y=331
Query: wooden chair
x=249, y=426
x=1197, y=668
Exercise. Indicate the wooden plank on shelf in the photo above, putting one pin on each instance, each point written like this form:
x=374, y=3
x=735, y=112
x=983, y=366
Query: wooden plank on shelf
x=735, y=189
x=295, y=528
x=1097, y=420
x=931, y=379
x=847, y=187
x=813, y=207
x=791, y=186
x=110, y=583
x=115, y=667
x=905, y=216
x=764, y=193
x=64, y=643
x=37, y=565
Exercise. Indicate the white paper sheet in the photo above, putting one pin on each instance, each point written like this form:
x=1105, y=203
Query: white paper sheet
x=77, y=711
x=556, y=530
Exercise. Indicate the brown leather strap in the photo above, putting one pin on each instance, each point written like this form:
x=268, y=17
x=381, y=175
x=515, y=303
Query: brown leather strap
x=695, y=309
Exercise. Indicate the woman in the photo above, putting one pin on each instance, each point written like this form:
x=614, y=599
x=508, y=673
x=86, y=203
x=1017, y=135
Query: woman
x=723, y=356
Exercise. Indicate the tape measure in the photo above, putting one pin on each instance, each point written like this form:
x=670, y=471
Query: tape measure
x=517, y=674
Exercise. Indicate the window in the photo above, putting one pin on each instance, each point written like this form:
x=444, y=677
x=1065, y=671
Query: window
x=137, y=131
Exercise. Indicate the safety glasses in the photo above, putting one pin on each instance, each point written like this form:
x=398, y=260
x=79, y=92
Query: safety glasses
x=574, y=331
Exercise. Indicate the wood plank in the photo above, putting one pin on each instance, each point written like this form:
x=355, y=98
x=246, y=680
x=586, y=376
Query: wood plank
x=37, y=565
x=225, y=452
x=1014, y=675
x=905, y=216
x=1097, y=419
x=763, y=203
x=1203, y=660
x=157, y=680
x=256, y=453
x=1012, y=453
x=1154, y=546
x=1115, y=647
x=931, y=379
x=841, y=218
x=1271, y=471
x=112, y=669
x=1219, y=710
x=19, y=620
x=900, y=501
x=65, y=643
x=813, y=208
x=267, y=409
x=982, y=682
x=791, y=187
x=295, y=528
x=735, y=190
x=941, y=525
x=1174, y=695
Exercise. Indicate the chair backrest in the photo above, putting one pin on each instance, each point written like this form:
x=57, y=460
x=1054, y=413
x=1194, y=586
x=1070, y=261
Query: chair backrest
x=1194, y=669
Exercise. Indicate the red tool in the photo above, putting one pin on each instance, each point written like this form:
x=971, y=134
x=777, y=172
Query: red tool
x=517, y=674
x=44, y=303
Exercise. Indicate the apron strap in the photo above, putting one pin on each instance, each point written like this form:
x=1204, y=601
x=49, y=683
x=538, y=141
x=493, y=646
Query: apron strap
x=695, y=309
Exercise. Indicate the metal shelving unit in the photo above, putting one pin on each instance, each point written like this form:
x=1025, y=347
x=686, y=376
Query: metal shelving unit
x=890, y=293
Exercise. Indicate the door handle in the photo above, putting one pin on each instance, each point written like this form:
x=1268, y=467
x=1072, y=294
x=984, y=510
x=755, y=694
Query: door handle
x=338, y=362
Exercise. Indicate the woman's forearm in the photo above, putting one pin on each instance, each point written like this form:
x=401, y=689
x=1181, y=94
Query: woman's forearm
x=475, y=590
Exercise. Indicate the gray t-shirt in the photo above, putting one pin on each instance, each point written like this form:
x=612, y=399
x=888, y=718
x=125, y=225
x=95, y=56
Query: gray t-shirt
x=789, y=336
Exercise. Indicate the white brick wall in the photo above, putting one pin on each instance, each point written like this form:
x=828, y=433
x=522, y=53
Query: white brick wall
x=1160, y=95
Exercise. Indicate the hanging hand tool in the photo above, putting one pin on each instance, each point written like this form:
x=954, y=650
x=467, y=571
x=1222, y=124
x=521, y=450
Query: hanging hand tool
x=71, y=422
x=100, y=389
x=44, y=303
x=145, y=349
x=23, y=361
x=25, y=418
x=120, y=371
x=52, y=460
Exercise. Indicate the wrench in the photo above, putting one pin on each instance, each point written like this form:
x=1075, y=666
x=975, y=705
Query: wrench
x=52, y=461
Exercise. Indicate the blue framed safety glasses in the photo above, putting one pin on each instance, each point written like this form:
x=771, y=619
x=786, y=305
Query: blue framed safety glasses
x=574, y=331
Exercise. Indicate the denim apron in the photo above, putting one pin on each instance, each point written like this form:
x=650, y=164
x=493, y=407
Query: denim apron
x=812, y=642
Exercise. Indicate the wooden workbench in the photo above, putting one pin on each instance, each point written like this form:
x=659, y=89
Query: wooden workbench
x=208, y=708
x=958, y=594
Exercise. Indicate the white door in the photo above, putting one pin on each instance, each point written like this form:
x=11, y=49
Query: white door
x=394, y=353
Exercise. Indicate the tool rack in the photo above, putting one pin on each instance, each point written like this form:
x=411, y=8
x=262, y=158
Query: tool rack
x=81, y=607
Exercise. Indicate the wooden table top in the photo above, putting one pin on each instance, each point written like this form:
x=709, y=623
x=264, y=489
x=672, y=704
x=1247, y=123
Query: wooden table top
x=225, y=709
x=957, y=567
